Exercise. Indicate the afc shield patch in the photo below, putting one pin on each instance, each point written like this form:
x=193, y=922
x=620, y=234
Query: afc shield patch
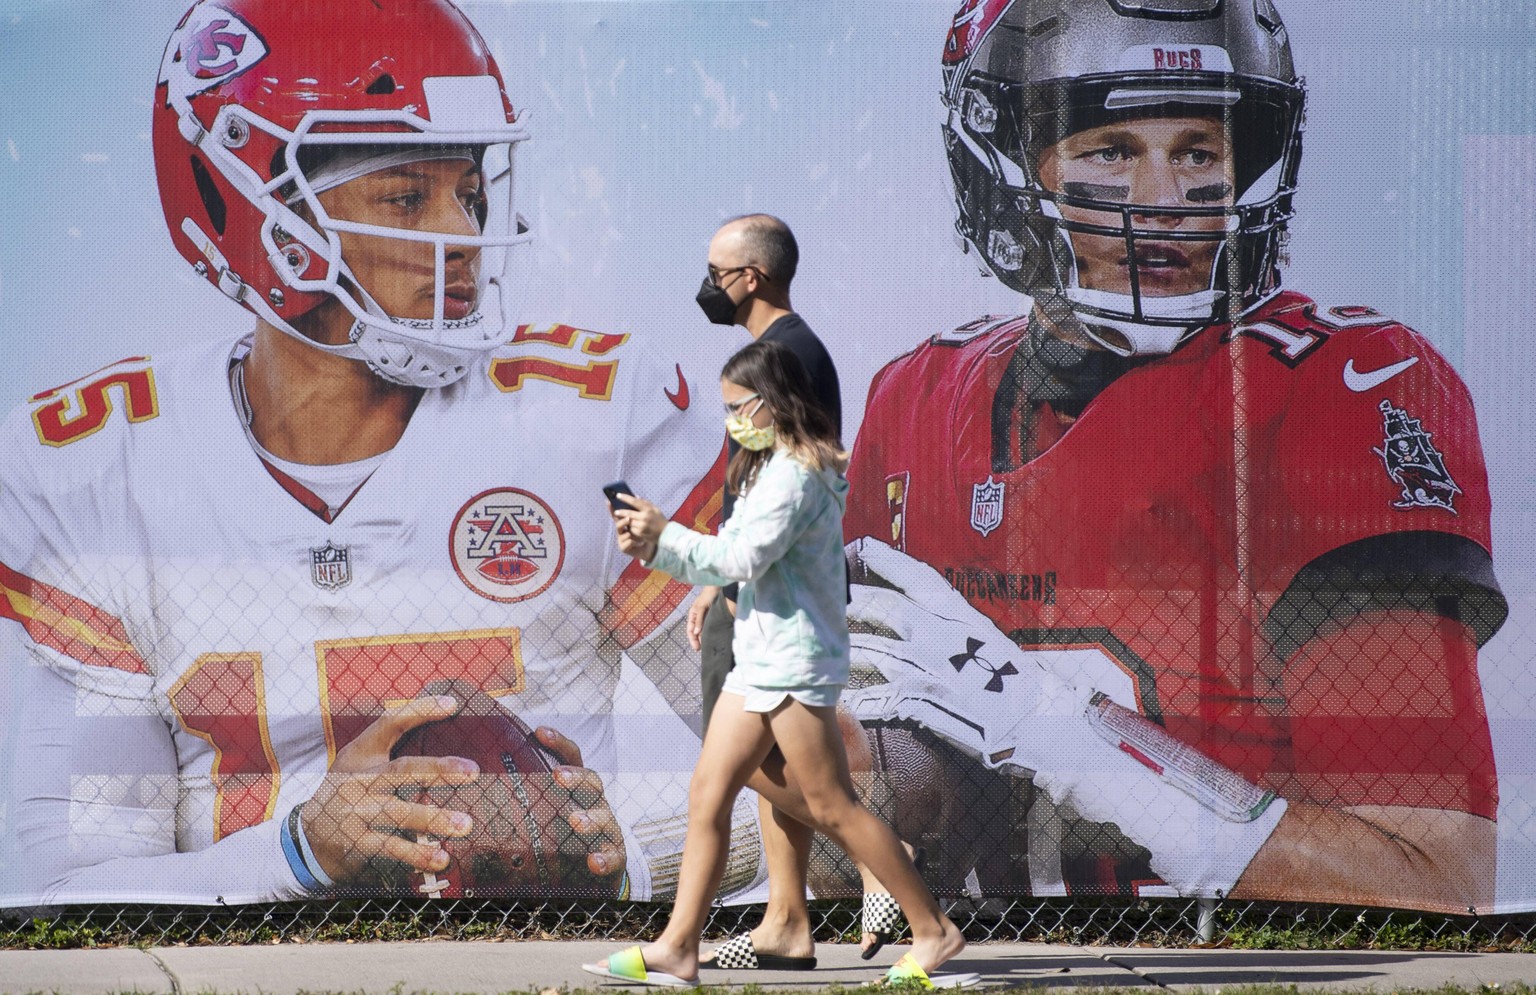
x=1414, y=464
x=507, y=545
x=330, y=566
x=987, y=505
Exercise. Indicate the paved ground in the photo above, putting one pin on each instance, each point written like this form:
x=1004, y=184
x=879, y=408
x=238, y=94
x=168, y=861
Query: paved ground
x=521, y=966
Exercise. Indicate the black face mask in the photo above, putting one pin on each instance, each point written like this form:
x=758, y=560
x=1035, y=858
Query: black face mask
x=716, y=303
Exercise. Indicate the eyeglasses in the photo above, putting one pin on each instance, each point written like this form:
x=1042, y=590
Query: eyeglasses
x=734, y=407
x=715, y=274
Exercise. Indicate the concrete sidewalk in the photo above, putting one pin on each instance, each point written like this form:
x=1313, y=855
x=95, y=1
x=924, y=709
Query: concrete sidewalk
x=481, y=966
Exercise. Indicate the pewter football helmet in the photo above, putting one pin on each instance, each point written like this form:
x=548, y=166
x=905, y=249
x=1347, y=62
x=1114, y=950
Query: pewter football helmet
x=1020, y=75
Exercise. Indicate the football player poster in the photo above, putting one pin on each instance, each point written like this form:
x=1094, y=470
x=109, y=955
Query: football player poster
x=1193, y=542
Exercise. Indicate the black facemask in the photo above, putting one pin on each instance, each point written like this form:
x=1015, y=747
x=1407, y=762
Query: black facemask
x=716, y=303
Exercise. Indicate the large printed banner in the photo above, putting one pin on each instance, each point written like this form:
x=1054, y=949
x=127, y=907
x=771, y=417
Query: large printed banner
x=1192, y=512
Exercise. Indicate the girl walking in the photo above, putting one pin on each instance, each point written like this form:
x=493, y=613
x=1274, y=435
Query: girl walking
x=784, y=545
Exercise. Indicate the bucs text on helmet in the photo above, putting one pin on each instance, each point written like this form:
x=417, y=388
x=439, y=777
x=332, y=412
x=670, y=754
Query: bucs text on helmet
x=263, y=104
x=1021, y=75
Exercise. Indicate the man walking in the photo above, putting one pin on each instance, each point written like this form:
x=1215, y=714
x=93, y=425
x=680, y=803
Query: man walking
x=752, y=261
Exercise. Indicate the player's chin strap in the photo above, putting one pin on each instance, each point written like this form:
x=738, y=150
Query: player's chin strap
x=1183, y=315
x=413, y=362
x=1125, y=337
x=400, y=358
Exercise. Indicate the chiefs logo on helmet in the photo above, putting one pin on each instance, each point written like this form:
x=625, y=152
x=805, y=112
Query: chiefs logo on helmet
x=211, y=46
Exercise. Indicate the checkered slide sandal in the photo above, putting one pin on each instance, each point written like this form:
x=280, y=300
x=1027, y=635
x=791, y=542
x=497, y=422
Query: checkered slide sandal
x=740, y=954
x=882, y=917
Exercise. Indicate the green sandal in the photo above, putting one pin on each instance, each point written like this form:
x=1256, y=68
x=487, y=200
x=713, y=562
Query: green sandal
x=629, y=965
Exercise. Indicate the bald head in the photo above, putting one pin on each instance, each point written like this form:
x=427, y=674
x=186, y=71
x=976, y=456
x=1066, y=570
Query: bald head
x=764, y=242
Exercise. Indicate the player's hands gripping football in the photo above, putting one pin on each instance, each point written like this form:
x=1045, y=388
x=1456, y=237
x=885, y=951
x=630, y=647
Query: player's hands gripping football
x=638, y=530
x=356, y=815
x=541, y=824
x=593, y=821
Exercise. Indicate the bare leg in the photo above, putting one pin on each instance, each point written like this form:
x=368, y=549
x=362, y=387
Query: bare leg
x=780, y=792
x=861, y=760
x=734, y=747
x=786, y=925
x=813, y=749
x=785, y=929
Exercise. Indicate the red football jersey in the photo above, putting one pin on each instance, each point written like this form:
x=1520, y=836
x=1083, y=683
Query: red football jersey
x=1188, y=523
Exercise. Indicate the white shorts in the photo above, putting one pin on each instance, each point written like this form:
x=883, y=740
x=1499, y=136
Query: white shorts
x=756, y=699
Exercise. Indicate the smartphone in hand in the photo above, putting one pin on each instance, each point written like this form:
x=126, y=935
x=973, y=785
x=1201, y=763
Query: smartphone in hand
x=612, y=492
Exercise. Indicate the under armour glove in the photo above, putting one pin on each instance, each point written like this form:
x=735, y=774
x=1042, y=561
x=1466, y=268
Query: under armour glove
x=1066, y=718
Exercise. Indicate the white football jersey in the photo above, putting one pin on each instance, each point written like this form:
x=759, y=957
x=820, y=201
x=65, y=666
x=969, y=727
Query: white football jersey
x=150, y=557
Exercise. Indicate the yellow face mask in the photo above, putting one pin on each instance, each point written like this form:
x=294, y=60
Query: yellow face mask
x=747, y=435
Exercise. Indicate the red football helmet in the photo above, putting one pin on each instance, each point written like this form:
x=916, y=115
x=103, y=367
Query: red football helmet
x=256, y=97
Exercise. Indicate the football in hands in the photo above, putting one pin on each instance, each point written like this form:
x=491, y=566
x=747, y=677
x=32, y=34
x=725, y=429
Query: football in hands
x=522, y=843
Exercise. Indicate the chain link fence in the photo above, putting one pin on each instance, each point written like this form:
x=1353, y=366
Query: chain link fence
x=1147, y=923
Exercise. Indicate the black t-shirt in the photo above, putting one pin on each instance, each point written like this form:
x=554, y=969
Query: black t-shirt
x=794, y=334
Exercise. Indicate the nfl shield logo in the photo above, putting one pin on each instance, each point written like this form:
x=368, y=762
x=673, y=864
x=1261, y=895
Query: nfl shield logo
x=330, y=566
x=986, y=506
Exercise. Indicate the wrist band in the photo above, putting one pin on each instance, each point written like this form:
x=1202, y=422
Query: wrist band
x=286, y=836
x=310, y=860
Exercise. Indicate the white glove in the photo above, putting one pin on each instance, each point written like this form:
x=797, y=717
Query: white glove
x=949, y=669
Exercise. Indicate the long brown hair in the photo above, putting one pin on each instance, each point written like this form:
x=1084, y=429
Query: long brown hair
x=802, y=426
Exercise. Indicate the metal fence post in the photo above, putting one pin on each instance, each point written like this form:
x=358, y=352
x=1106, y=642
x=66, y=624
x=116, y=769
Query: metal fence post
x=1207, y=921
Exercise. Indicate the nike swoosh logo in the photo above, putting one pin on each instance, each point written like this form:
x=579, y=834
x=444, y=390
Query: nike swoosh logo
x=1362, y=382
x=679, y=399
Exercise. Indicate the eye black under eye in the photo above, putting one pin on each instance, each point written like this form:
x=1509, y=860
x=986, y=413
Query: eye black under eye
x=1209, y=194
x=1098, y=191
